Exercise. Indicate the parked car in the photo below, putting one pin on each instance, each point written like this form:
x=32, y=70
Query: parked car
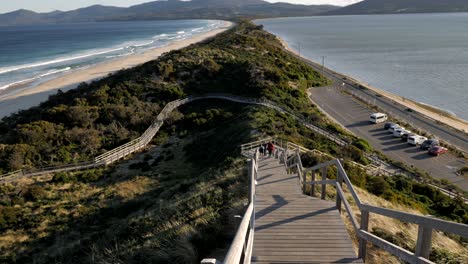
x=388, y=125
x=399, y=132
x=427, y=144
x=437, y=150
x=416, y=140
x=394, y=127
x=378, y=118
x=406, y=135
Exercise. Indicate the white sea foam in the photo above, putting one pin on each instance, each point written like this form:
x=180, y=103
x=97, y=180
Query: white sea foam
x=144, y=44
x=34, y=78
x=180, y=32
x=197, y=29
x=17, y=83
x=33, y=65
x=132, y=51
x=160, y=36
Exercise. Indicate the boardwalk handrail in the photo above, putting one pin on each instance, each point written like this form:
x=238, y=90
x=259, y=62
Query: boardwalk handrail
x=141, y=142
x=425, y=224
x=241, y=247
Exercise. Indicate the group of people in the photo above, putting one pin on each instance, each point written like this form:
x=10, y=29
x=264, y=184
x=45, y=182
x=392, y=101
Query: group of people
x=267, y=149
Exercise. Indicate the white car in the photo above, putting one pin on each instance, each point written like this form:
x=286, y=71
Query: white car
x=399, y=132
x=378, y=118
x=416, y=140
x=394, y=127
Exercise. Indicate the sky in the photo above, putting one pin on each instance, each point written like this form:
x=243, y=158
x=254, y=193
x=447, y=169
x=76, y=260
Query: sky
x=64, y=5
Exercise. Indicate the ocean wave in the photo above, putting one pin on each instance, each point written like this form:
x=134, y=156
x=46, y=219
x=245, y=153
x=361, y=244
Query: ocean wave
x=33, y=65
x=160, y=36
x=25, y=81
x=144, y=44
x=197, y=29
x=180, y=32
x=132, y=51
x=55, y=72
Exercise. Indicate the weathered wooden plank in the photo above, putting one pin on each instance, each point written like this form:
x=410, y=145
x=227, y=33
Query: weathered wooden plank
x=294, y=228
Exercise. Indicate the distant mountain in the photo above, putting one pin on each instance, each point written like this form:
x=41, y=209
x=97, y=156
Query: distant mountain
x=170, y=9
x=402, y=6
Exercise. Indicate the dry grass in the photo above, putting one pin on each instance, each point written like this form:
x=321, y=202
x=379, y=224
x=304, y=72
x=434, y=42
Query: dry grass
x=130, y=189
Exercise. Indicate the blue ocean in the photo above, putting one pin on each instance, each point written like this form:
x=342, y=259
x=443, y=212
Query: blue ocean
x=33, y=54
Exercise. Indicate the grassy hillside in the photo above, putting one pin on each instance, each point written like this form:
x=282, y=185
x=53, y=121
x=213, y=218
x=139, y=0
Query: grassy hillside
x=173, y=203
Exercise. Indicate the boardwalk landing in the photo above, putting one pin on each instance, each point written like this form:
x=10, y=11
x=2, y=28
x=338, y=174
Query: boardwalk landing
x=294, y=228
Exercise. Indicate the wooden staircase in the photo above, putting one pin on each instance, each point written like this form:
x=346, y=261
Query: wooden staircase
x=294, y=228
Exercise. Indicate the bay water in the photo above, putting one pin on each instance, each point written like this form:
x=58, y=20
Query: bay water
x=423, y=57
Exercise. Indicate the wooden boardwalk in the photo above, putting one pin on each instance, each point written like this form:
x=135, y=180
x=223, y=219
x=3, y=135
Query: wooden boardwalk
x=294, y=228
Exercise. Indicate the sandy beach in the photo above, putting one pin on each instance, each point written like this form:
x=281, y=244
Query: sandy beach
x=454, y=121
x=14, y=100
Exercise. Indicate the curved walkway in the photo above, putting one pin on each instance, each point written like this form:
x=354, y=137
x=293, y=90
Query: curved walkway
x=141, y=142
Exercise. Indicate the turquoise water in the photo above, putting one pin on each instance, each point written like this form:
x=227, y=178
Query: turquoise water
x=31, y=54
x=423, y=57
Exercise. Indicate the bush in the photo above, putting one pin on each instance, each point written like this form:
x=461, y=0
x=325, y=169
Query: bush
x=63, y=177
x=143, y=166
x=35, y=193
x=309, y=159
x=377, y=185
x=90, y=176
x=362, y=145
x=8, y=216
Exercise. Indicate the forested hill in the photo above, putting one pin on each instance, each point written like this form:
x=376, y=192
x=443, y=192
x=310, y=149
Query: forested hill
x=402, y=6
x=171, y=9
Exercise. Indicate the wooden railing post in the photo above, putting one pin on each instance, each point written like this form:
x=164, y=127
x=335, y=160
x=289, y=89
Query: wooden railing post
x=424, y=242
x=362, y=241
x=312, y=186
x=324, y=186
x=339, y=181
x=304, y=179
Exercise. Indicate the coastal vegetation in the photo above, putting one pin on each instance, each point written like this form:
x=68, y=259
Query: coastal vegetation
x=175, y=202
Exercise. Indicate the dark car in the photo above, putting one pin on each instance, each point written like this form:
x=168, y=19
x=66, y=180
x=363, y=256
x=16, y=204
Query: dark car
x=427, y=144
x=388, y=125
x=437, y=150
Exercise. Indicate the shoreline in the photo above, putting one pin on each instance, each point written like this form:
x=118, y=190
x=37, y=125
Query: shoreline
x=18, y=99
x=451, y=121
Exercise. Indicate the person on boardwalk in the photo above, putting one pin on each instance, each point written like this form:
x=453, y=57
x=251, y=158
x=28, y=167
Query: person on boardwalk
x=261, y=150
x=270, y=148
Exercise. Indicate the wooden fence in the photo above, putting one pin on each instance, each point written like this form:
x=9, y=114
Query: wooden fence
x=426, y=225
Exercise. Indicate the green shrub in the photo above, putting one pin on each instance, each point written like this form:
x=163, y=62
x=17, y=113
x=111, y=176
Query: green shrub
x=63, y=177
x=362, y=145
x=35, y=193
x=90, y=175
x=377, y=185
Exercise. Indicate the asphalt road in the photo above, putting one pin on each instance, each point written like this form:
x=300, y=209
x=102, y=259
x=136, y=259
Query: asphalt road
x=354, y=115
x=443, y=132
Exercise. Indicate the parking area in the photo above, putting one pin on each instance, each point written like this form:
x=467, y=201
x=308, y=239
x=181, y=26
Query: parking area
x=355, y=117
